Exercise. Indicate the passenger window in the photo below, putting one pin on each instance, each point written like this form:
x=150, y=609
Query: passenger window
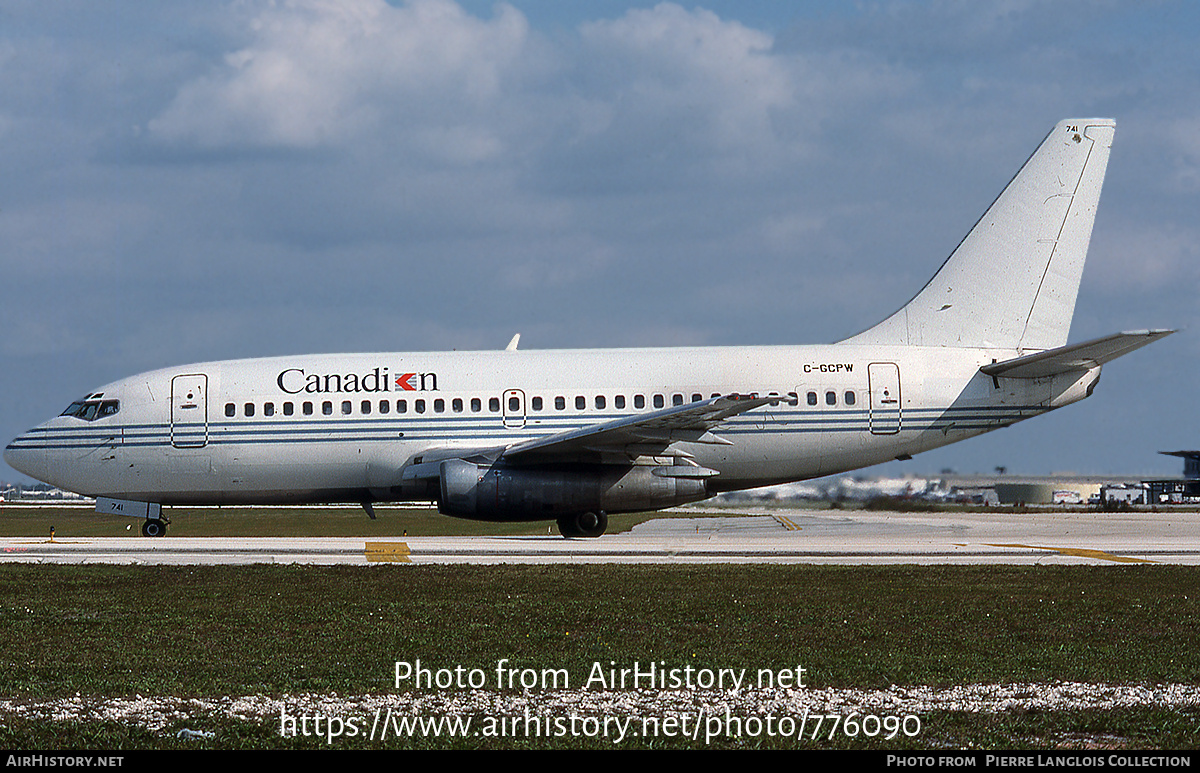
x=658, y=401
x=365, y=408
x=456, y=405
x=327, y=408
x=249, y=409
x=269, y=409
x=476, y=405
x=419, y=406
x=600, y=403
x=812, y=398
x=580, y=403
x=347, y=407
x=494, y=404
x=560, y=403
x=402, y=406
x=697, y=398
x=793, y=399
x=619, y=402
x=230, y=409
x=639, y=401
x=676, y=399
x=850, y=399
x=831, y=398
x=308, y=409
x=384, y=406
x=537, y=403
x=288, y=409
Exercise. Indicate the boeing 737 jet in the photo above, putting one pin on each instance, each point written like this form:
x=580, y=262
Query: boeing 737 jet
x=571, y=436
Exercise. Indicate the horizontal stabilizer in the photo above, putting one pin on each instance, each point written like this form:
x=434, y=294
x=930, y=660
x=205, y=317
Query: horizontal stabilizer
x=1077, y=357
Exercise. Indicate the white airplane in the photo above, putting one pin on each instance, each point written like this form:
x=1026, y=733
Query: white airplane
x=574, y=435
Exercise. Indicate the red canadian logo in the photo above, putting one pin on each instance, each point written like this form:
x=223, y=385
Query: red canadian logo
x=417, y=382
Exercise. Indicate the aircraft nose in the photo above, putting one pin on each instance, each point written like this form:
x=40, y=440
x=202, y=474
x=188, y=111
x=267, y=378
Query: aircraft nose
x=14, y=456
x=23, y=456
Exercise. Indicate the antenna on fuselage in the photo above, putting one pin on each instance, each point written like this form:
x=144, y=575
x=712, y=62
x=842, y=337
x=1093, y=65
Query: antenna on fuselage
x=512, y=345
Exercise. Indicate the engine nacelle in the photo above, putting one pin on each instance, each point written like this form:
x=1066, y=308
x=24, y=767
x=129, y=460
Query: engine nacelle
x=501, y=493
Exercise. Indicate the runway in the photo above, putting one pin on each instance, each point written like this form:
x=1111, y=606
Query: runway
x=765, y=536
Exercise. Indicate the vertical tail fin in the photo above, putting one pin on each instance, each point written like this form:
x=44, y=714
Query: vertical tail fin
x=1012, y=282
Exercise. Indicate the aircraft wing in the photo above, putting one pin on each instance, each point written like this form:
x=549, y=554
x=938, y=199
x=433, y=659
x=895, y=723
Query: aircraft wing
x=643, y=435
x=1076, y=357
x=616, y=441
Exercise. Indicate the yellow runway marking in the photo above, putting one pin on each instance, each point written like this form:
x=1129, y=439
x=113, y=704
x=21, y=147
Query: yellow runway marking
x=396, y=552
x=1083, y=553
x=787, y=523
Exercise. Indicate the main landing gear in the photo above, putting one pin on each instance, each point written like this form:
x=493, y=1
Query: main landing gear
x=155, y=524
x=583, y=524
x=154, y=527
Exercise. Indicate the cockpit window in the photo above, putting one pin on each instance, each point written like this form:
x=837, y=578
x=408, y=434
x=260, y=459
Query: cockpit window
x=90, y=410
x=74, y=409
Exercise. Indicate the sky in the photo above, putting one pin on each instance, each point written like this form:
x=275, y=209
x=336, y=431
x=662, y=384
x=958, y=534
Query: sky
x=198, y=180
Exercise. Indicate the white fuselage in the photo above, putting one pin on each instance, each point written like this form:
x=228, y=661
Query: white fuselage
x=344, y=427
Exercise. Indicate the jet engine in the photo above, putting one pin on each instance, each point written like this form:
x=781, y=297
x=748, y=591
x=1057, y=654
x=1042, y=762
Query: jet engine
x=577, y=496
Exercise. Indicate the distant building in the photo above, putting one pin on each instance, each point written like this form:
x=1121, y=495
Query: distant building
x=1125, y=493
x=1057, y=490
x=1177, y=490
x=1191, y=463
x=985, y=495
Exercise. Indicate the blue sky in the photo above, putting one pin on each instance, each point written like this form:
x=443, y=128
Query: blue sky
x=195, y=180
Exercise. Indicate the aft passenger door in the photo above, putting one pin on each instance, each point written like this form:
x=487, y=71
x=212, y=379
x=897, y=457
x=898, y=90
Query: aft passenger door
x=884, y=379
x=189, y=411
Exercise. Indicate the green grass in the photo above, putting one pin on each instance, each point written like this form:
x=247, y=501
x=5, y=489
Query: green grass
x=208, y=631
x=107, y=631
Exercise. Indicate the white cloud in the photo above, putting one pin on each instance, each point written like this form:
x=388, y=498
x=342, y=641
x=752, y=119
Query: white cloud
x=429, y=79
x=321, y=72
x=719, y=74
x=1146, y=258
x=1181, y=136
